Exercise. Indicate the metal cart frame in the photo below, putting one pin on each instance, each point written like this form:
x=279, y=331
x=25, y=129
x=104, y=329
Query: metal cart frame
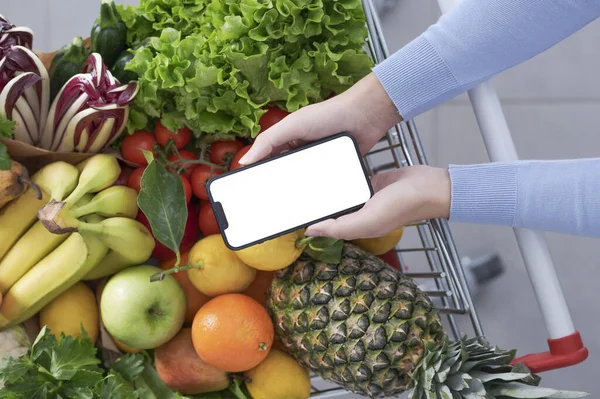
x=402, y=146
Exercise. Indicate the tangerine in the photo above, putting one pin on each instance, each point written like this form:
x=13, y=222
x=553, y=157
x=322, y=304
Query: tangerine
x=195, y=298
x=232, y=332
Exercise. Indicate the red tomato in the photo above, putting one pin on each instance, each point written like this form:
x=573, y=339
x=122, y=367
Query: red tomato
x=163, y=135
x=271, y=117
x=190, y=235
x=235, y=163
x=186, y=156
x=135, y=179
x=206, y=220
x=187, y=188
x=133, y=144
x=124, y=176
x=221, y=150
x=200, y=176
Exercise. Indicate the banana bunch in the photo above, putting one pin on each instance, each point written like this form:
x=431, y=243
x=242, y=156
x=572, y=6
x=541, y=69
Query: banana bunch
x=82, y=225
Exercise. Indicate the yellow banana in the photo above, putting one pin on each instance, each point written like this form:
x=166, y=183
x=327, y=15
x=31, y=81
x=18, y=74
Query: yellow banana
x=55, y=180
x=96, y=173
x=53, y=275
x=112, y=201
x=32, y=247
x=112, y=263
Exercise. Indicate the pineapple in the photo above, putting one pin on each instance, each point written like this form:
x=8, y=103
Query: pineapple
x=368, y=328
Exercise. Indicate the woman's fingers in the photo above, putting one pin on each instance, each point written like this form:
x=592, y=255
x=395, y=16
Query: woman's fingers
x=372, y=220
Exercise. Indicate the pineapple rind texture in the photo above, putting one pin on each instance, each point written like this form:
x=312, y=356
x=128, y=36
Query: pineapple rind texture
x=360, y=324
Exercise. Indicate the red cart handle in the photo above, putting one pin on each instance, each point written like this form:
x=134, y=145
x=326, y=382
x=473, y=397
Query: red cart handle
x=564, y=352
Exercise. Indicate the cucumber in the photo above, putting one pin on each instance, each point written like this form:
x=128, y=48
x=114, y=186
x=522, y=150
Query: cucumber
x=109, y=33
x=67, y=63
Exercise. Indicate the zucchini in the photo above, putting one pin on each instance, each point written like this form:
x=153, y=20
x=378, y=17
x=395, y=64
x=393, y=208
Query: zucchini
x=67, y=63
x=109, y=33
x=118, y=69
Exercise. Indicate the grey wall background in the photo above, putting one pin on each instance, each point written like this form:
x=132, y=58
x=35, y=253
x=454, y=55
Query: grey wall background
x=552, y=104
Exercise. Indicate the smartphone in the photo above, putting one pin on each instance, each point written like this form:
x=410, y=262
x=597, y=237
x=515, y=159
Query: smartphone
x=324, y=179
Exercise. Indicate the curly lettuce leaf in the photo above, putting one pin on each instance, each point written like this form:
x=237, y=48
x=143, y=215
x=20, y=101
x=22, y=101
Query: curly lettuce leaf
x=212, y=65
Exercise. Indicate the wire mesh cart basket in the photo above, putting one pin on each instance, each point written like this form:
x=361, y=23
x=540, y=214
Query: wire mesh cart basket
x=427, y=252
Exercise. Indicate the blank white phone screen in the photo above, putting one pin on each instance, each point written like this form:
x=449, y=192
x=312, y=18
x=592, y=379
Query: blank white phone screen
x=290, y=191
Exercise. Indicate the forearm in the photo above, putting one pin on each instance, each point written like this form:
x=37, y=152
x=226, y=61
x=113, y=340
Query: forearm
x=473, y=42
x=558, y=196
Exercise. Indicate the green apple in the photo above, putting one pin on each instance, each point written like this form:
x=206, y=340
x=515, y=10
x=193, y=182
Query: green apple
x=141, y=313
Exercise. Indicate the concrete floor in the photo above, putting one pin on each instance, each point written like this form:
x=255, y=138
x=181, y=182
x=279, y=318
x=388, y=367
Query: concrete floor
x=551, y=103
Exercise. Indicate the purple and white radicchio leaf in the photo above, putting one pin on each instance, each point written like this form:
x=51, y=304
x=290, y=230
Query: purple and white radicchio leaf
x=20, y=60
x=89, y=112
x=14, y=106
x=11, y=35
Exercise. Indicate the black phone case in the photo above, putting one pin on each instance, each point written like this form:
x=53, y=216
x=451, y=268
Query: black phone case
x=220, y=215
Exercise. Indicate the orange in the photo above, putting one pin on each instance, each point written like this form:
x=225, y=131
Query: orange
x=232, y=332
x=260, y=285
x=195, y=298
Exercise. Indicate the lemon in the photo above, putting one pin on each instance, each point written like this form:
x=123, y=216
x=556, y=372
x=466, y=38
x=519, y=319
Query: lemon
x=70, y=310
x=274, y=254
x=220, y=270
x=278, y=376
x=380, y=245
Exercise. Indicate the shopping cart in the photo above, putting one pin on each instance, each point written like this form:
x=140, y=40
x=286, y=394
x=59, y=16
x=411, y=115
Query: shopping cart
x=427, y=252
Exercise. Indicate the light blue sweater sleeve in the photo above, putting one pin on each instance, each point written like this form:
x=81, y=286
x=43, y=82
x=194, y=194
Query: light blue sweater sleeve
x=475, y=41
x=557, y=195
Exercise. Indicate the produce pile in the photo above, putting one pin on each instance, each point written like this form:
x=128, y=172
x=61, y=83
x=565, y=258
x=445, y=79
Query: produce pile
x=114, y=262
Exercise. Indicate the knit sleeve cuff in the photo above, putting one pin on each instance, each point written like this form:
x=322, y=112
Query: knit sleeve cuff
x=484, y=194
x=416, y=78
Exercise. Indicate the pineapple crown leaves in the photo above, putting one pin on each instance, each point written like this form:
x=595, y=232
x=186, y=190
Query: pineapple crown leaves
x=470, y=369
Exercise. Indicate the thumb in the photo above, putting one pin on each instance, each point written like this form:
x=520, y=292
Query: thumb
x=359, y=224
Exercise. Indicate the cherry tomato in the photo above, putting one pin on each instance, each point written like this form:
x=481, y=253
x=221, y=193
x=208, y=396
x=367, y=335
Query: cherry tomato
x=190, y=235
x=187, y=188
x=271, y=117
x=186, y=156
x=133, y=144
x=235, y=163
x=135, y=179
x=200, y=176
x=221, y=150
x=163, y=135
x=124, y=176
x=206, y=220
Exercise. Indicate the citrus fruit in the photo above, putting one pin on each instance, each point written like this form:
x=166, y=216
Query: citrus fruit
x=220, y=270
x=274, y=254
x=195, y=298
x=260, y=285
x=279, y=376
x=70, y=310
x=124, y=348
x=380, y=245
x=232, y=333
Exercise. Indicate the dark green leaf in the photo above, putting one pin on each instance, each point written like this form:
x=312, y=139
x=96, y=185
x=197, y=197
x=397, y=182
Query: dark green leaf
x=7, y=127
x=162, y=200
x=237, y=390
x=5, y=163
x=325, y=249
x=129, y=366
